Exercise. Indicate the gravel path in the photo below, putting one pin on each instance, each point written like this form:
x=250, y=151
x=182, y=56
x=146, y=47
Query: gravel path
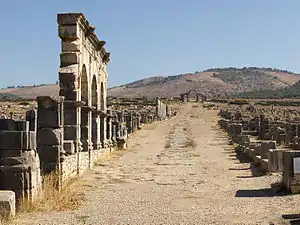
x=179, y=171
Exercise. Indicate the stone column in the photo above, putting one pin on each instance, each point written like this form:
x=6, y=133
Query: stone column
x=31, y=116
x=86, y=128
x=138, y=121
x=109, y=127
x=103, y=127
x=129, y=122
x=50, y=134
x=96, y=129
x=115, y=130
x=72, y=120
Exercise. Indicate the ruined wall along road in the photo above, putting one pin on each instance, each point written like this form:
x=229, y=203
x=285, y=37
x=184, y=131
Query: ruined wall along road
x=179, y=171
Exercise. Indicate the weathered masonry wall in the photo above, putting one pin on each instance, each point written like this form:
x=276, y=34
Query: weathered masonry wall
x=66, y=136
x=19, y=160
x=273, y=144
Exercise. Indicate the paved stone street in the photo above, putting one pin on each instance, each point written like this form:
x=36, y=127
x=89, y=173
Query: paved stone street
x=179, y=171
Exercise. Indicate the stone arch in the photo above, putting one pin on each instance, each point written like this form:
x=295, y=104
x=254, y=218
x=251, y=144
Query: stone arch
x=95, y=120
x=103, y=119
x=186, y=97
x=193, y=90
x=94, y=94
x=102, y=97
x=84, y=85
x=189, y=94
x=82, y=54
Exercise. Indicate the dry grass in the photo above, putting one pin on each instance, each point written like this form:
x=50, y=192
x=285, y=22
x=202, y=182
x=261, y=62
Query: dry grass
x=70, y=197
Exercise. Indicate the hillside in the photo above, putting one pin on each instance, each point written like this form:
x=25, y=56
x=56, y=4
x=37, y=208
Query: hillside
x=213, y=82
x=292, y=91
x=219, y=82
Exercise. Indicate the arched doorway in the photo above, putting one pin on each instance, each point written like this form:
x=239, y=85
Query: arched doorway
x=95, y=119
x=102, y=97
x=84, y=87
x=102, y=119
x=193, y=95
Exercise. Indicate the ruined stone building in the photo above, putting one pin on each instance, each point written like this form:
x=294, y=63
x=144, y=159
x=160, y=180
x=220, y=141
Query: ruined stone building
x=66, y=136
x=82, y=78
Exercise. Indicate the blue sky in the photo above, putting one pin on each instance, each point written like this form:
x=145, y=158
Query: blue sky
x=152, y=38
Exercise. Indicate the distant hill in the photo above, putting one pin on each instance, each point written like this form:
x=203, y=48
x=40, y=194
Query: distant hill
x=31, y=92
x=217, y=82
x=292, y=91
x=220, y=82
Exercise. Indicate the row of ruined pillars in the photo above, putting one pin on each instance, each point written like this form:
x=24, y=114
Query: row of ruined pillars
x=87, y=127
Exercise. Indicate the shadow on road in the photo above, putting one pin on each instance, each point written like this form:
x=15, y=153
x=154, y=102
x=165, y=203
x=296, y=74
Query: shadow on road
x=295, y=218
x=264, y=192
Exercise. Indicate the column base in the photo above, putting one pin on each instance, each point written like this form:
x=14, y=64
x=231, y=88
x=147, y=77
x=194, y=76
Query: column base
x=105, y=144
x=87, y=145
x=78, y=146
x=97, y=146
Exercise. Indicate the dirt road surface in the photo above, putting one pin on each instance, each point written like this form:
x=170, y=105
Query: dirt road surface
x=179, y=171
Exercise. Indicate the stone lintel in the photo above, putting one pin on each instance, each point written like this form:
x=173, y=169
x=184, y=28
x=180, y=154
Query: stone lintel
x=49, y=101
x=100, y=113
x=73, y=104
x=88, y=108
x=110, y=116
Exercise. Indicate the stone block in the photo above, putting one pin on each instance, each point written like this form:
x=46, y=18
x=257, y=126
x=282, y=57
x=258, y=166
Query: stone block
x=69, y=147
x=49, y=153
x=49, y=136
x=70, y=95
x=70, y=46
x=288, y=167
x=49, y=118
x=7, y=204
x=68, y=81
x=84, y=132
x=4, y=153
x=68, y=18
x=22, y=125
x=32, y=121
x=272, y=162
x=7, y=124
x=27, y=159
x=47, y=102
x=70, y=117
x=257, y=149
x=265, y=147
x=68, y=32
x=69, y=58
x=70, y=132
x=17, y=140
x=47, y=168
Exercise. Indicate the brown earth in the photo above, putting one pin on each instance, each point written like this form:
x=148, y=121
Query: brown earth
x=179, y=171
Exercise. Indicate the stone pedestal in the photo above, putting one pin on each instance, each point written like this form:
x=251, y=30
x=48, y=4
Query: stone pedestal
x=103, y=128
x=96, y=130
x=86, y=128
x=114, y=132
x=109, y=127
x=128, y=117
x=72, y=120
x=31, y=116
